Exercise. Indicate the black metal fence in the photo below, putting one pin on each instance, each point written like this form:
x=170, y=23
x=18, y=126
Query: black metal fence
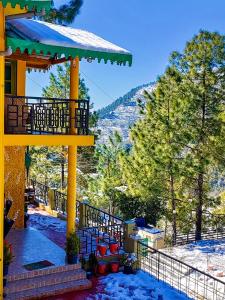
x=99, y=225
x=38, y=115
x=59, y=199
x=181, y=276
x=97, y=217
x=102, y=226
x=91, y=236
x=214, y=228
x=41, y=192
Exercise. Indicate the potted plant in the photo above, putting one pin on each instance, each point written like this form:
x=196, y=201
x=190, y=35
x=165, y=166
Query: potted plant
x=102, y=248
x=93, y=263
x=114, y=266
x=72, y=248
x=129, y=260
x=8, y=257
x=102, y=267
x=113, y=247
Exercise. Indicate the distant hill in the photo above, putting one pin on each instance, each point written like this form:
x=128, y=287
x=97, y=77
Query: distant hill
x=121, y=114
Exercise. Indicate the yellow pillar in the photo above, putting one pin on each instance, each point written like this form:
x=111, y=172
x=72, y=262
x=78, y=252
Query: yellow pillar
x=72, y=150
x=2, y=98
x=21, y=78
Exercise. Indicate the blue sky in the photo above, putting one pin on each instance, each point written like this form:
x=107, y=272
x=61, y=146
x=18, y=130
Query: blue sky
x=150, y=29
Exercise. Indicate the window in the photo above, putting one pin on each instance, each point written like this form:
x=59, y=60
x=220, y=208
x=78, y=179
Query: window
x=10, y=78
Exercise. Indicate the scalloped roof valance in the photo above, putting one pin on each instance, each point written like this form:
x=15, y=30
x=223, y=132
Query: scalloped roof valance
x=30, y=4
x=50, y=39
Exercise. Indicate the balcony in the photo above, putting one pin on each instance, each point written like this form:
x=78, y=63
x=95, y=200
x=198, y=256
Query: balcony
x=37, y=115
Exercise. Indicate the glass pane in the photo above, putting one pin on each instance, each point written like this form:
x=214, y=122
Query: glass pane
x=8, y=89
x=8, y=71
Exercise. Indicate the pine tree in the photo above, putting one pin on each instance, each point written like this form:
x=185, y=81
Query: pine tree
x=154, y=165
x=179, y=142
x=202, y=68
x=65, y=14
x=103, y=187
x=59, y=86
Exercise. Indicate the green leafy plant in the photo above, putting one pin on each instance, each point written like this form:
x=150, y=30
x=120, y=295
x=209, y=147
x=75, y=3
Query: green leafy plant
x=128, y=259
x=8, y=254
x=72, y=244
x=93, y=263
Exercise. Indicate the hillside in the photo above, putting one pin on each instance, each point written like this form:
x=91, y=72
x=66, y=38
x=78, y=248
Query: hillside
x=121, y=114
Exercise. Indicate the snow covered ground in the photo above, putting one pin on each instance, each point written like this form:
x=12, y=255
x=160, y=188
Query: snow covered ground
x=140, y=286
x=116, y=286
x=42, y=220
x=207, y=256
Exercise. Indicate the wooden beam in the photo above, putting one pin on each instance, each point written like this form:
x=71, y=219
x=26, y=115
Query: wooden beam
x=37, y=61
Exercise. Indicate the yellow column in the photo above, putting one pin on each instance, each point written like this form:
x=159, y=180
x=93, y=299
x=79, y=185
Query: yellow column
x=21, y=78
x=72, y=150
x=2, y=99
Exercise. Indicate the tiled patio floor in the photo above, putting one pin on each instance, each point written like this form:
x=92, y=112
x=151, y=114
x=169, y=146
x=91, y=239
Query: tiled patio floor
x=30, y=246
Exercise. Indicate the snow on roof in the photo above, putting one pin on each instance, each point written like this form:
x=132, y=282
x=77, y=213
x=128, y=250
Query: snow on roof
x=62, y=36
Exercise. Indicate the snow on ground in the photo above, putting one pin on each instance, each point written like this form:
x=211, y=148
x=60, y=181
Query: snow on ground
x=53, y=228
x=207, y=256
x=140, y=286
x=116, y=286
x=42, y=220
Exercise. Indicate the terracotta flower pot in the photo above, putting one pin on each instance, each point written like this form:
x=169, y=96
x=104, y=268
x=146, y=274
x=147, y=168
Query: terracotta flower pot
x=102, y=248
x=113, y=247
x=102, y=268
x=114, y=266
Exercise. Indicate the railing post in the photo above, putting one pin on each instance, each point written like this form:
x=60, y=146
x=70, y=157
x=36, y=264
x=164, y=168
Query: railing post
x=82, y=214
x=51, y=199
x=129, y=242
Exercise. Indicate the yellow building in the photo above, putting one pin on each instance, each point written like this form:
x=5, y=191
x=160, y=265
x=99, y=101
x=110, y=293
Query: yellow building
x=26, y=43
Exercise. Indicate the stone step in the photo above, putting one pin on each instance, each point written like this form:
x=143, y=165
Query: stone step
x=43, y=280
x=47, y=291
x=46, y=271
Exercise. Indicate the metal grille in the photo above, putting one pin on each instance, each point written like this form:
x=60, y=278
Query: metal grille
x=32, y=115
x=97, y=217
x=181, y=276
x=214, y=228
x=59, y=200
x=41, y=192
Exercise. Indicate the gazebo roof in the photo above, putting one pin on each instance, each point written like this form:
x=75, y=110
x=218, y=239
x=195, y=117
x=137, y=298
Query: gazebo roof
x=29, y=4
x=48, y=39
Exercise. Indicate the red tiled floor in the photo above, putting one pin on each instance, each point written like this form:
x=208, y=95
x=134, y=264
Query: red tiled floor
x=59, y=239
x=81, y=295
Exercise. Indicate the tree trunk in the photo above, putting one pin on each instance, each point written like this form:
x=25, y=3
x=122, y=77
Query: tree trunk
x=174, y=220
x=198, y=229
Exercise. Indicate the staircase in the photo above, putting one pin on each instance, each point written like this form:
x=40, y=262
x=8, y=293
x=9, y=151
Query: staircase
x=46, y=282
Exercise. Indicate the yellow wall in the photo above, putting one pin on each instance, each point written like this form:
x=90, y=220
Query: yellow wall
x=15, y=181
x=14, y=162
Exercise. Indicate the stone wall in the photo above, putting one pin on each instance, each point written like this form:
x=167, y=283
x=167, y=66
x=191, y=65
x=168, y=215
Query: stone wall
x=15, y=181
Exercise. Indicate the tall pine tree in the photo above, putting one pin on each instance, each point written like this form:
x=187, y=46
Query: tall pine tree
x=202, y=68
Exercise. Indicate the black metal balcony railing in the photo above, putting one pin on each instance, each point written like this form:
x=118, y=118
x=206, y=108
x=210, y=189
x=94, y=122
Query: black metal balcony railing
x=36, y=115
x=183, y=277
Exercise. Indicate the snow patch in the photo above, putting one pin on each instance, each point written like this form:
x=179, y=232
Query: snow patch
x=135, y=287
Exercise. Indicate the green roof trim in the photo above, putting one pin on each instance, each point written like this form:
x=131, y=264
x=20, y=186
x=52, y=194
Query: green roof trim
x=38, y=48
x=30, y=4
